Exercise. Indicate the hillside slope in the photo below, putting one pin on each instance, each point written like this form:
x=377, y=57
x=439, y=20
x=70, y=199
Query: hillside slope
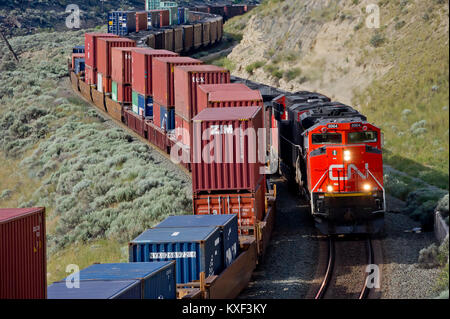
x=397, y=74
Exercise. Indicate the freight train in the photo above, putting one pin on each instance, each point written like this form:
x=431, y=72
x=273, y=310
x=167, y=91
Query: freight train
x=335, y=157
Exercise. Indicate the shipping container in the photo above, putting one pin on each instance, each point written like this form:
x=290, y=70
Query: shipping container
x=178, y=39
x=219, y=29
x=157, y=279
x=97, y=289
x=204, y=90
x=160, y=18
x=78, y=49
x=168, y=39
x=204, y=9
x=181, y=15
x=105, y=46
x=206, y=32
x=121, y=22
x=241, y=98
x=156, y=136
x=163, y=117
x=159, y=40
x=196, y=250
x=152, y=4
x=121, y=60
x=231, y=135
x=197, y=35
x=99, y=82
x=173, y=14
x=228, y=225
x=249, y=207
x=141, y=21
x=121, y=92
x=163, y=84
x=23, y=268
x=150, y=41
x=188, y=78
x=79, y=65
x=142, y=68
x=188, y=37
x=90, y=76
x=145, y=105
x=76, y=56
x=217, y=9
x=104, y=83
x=91, y=47
x=184, y=129
x=213, y=32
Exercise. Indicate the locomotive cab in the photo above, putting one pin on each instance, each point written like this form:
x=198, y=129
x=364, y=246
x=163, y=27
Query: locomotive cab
x=345, y=176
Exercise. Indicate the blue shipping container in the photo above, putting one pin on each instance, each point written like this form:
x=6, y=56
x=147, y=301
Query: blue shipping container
x=157, y=278
x=121, y=22
x=96, y=289
x=145, y=104
x=78, y=49
x=167, y=118
x=228, y=225
x=196, y=250
x=180, y=15
x=79, y=65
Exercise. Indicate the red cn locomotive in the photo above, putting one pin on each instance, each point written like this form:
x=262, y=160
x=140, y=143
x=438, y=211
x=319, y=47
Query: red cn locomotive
x=335, y=156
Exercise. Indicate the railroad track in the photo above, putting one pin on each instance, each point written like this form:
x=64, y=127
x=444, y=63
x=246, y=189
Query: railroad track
x=331, y=272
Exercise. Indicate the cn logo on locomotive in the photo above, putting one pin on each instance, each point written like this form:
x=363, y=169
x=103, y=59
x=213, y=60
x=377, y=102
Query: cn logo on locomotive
x=350, y=168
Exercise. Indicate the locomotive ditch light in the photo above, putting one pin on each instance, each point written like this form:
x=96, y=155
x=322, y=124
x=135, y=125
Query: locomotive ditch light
x=329, y=188
x=347, y=156
x=367, y=187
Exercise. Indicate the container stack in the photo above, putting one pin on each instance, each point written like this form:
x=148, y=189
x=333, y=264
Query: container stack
x=187, y=79
x=121, y=75
x=163, y=89
x=228, y=179
x=141, y=79
x=78, y=49
x=146, y=280
x=197, y=250
x=104, y=56
x=23, y=267
x=141, y=21
x=160, y=18
x=91, y=45
x=78, y=62
x=121, y=22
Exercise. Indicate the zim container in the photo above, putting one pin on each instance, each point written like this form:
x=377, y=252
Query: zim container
x=23, y=268
x=204, y=90
x=188, y=78
x=141, y=73
x=226, y=149
x=121, y=60
x=249, y=207
x=157, y=279
x=97, y=289
x=104, y=52
x=228, y=225
x=195, y=249
x=163, y=84
x=91, y=47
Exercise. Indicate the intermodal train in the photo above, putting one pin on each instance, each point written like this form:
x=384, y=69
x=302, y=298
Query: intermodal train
x=335, y=157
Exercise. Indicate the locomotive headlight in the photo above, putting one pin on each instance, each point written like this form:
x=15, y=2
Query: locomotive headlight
x=329, y=188
x=346, y=156
x=367, y=187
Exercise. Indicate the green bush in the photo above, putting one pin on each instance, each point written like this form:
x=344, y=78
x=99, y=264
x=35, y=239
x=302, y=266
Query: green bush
x=377, y=40
x=253, y=66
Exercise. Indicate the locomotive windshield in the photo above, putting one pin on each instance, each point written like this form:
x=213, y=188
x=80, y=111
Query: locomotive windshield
x=326, y=138
x=362, y=137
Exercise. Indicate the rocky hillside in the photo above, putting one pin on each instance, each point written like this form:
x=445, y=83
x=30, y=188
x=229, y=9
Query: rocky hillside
x=20, y=17
x=397, y=74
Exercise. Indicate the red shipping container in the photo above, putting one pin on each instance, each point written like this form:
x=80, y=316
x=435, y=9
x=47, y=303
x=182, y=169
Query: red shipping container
x=225, y=149
x=90, y=76
x=104, y=47
x=249, y=207
x=141, y=21
x=23, y=268
x=186, y=81
x=184, y=136
x=74, y=56
x=124, y=93
x=106, y=83
x=204, y=90
x=141, y=73
x=164, y=17
x=238, y=98
x=90, y=47
x=163, y=84
x=121, y=60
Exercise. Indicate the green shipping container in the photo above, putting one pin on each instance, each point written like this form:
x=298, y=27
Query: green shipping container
x=134, y=98
x=114, y=91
